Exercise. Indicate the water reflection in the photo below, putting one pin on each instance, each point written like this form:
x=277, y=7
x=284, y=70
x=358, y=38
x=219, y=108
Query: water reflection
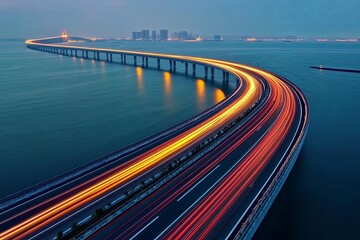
x=103, y=67
x=200, y=90
x=219, y=95
x=167, y=83
x=139, y=76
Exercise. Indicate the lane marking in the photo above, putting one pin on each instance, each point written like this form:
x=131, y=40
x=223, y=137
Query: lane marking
x=144, y=228
x=198, y=183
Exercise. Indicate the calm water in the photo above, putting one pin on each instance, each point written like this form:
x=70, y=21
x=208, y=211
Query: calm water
x=57, y=113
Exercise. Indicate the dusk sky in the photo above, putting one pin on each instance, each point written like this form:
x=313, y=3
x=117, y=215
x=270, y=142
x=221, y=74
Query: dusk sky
x=118, y=18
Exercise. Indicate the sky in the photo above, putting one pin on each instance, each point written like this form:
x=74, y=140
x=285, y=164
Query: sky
x=118, y=18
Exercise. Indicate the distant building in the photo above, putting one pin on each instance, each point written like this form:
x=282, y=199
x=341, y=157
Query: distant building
x=217, y=38
x=136, y=35
x=183, y=35
x=145, y=35
x=164, y=35
x=153, y=35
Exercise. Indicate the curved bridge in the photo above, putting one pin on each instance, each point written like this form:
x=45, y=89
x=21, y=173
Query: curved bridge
x=214, y=175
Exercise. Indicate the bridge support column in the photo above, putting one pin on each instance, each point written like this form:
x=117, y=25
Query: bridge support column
x=186, y=68
x=143, y=61
x=174, y=66
x=87, y=54
x=212, y=73
x=76, y=53
x=158, y=63
x=111, y=59
x=224, y=76
x=98, y=56
x=124, y=59
x=135, y=60
x=94, y=55
x=206, y=72
x=147, y=62
x=170, y=65
x=194, y=69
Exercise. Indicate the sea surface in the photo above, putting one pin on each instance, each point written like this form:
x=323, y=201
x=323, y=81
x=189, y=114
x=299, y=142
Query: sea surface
x=57, y=113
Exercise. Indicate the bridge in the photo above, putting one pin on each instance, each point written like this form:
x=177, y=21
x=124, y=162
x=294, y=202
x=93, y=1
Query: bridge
x=214, y=175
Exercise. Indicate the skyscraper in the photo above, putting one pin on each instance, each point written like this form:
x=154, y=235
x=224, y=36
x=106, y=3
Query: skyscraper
x=164, y=35
x=145, y=35
x=136, y=35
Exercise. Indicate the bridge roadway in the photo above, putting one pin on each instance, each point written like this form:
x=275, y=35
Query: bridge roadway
x=212, y=188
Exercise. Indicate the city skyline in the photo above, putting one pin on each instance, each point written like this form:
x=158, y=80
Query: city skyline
x=308, y=19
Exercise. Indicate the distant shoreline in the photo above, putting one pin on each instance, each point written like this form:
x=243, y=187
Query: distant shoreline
x=278, y=40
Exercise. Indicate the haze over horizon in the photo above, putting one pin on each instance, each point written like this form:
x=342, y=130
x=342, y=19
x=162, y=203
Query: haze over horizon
x=118, y=18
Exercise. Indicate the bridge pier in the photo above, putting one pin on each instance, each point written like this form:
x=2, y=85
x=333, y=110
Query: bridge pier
x=94, y=55
x=194, y=69
x=212, y=74
x=206, y=72
x=174, y=66
x=98, y=56
x=107, y=57
x=143, y=61
x=186, y=68
x=158, y=63
x=170, y=65
x=146, y=62
x=111, y=57
x=135, y=60
x=76, y=53
x=124, y=59
x=87, y=54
